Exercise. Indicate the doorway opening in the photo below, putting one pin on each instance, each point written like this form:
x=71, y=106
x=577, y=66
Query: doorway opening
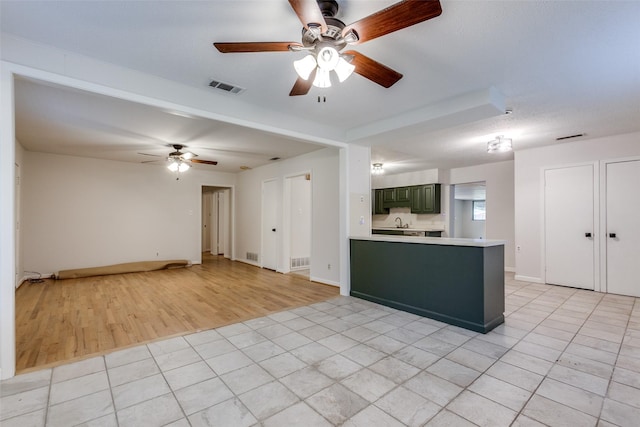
x=216, y=233
x=469, y=210
x=297, y=220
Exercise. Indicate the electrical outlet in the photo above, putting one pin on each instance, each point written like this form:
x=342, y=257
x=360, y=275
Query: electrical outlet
x=328, y=266
x=518, y=248
x=361, y=220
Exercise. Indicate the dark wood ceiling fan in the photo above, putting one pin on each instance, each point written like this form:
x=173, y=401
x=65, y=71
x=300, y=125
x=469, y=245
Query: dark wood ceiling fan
x=180, y=156
x=322, y=30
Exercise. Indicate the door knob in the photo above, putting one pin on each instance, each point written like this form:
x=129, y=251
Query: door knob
x=273, y=229
x=588, y=235
x=612, y=235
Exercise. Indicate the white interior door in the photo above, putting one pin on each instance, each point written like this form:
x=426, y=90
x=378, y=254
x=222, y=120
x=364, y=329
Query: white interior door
x=270, y=225
x=569, y=226
x=224, y=205
x=206, y=221
x=622, y=229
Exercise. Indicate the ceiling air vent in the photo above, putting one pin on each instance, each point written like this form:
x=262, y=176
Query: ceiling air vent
x=226, y=87
x=562, y=138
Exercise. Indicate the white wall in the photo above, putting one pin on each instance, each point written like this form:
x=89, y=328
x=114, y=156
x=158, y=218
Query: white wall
x=499, y=178
x=359, y=183
x=465, y=226
x=427, y=176
x=81, y=212
x=300, y=217
x=325, y=187
x=529, y=189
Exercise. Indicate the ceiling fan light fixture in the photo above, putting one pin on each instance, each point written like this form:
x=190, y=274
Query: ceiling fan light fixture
x=328, y=58
x=344, y=69
x=323, y=78
x=173, y=165
x=305, y=66
x=178, y=165
x=183, y=167
x=500, y=145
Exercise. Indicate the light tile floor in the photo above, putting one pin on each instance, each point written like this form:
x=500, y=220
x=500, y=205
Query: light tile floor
x=564, y=357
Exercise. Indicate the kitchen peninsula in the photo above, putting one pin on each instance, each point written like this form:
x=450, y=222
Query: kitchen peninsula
x=457, y=281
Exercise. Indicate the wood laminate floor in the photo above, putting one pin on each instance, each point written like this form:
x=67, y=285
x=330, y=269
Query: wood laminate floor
x=58, y=321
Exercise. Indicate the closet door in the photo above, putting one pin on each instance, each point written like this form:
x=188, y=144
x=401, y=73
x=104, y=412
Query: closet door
x=569, y=225
x=623, y=228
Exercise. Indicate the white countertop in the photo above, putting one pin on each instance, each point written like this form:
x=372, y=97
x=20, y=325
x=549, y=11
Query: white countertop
x=445, y=241
x=408, y=229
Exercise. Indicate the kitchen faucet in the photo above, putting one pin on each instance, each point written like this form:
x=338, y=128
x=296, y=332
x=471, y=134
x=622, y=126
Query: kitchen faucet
x=398, y=219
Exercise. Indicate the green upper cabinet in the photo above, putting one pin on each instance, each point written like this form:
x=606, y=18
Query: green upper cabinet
x=388, y=196
x=377, y=206
x=425, y=199
x=417, y=199
x=403, y=196
x=422, y=199
x=396, y=197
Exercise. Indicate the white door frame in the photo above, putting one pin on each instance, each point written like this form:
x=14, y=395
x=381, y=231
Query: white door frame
x=596, y=220
x=603, y=217
x=232, y=212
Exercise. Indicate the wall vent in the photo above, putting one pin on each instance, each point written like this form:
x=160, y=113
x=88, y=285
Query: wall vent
x=227, y=87
x=252, y=256
x=299, y=263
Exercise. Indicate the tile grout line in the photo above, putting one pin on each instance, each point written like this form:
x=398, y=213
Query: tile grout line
x=563, y=351
x=616, y=363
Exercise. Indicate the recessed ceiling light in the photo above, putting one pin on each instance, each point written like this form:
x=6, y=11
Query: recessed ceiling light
x=274, y=158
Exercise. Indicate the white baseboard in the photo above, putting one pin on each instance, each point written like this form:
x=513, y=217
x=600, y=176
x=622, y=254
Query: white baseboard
x=510, y=269
x=528, y=279
x=325, y=281
x=246, y=261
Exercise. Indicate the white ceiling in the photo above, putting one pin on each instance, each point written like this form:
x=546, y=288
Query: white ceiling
x=563, y=67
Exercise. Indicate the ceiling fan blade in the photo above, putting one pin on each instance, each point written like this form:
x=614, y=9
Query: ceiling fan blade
x=241, y=47
x=302, y=86
x=204, y=162
x=373, y=70
x=309, y=12
x=396, y=17
x=152, y=155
